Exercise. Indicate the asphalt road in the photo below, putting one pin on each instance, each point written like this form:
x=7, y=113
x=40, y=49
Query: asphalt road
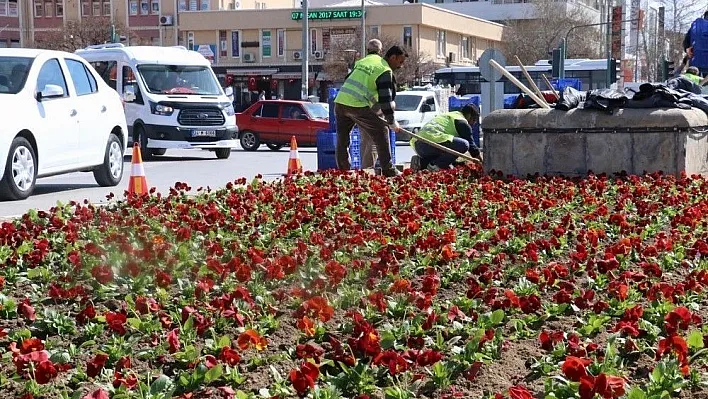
x=194, y=167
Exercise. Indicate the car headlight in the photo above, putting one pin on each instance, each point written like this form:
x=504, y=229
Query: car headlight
x=159, y=109
x=230, y=110
x=403, y=122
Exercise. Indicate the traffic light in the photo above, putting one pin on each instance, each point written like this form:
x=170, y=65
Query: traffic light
x=616, y=68
x=556, y=63
x=669, y=69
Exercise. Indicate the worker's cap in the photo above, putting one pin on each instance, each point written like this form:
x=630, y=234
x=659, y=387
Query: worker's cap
x=374, y=45
x=693, y=70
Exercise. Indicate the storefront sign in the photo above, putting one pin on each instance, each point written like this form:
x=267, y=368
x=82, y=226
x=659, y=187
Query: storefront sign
x=265, y=38
x=328, y=14
x=208, y=51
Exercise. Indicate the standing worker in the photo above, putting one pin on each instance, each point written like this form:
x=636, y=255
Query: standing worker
x=452, y=130
x=695, y=43
x=366, y=91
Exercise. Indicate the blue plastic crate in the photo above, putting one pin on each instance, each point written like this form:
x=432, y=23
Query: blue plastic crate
x=327, y=144
x=332, y=120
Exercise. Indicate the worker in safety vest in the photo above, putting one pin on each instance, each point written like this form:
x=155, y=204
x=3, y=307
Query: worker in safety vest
x=366, y=91
x=452, y=130
x=695, y=43
x=692, y=74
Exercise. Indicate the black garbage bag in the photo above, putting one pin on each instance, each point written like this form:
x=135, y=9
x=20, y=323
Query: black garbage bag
x=570, y=98
x=681, y=83
x=607, y=100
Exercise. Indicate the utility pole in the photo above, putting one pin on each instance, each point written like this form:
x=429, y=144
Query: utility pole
x=304, y=92
x=363, y=29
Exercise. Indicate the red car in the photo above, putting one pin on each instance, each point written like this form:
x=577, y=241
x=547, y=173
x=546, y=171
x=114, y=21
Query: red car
x=274, y=122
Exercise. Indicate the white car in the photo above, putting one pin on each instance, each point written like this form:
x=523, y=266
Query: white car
x=59, y=117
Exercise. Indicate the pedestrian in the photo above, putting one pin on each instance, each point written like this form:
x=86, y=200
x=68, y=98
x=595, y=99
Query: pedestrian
x=261, y=96
x=695, y=44
x=452, y=130
x=366, y=91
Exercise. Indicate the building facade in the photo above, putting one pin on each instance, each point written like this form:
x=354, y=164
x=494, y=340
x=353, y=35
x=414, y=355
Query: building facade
x=262, y=49
x=259, y=42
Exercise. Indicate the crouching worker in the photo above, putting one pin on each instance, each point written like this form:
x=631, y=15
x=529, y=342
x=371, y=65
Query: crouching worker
x=452, y=130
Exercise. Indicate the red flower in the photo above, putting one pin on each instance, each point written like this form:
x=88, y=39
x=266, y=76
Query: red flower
x=229, y=356
x=27, y=310
x=392, y=360
x=519, y=392
x=679, y=318
x=173, y=340
x=607, y=386
x=530, y=303
x=675, y=344
x=316, y=307
x=304, y=378
x=574, y=367
x=335, y=271
x=251, y=338
x=306, y=325
x=45, y=371
x=100, y=393
x=89, y=313
x=309, y=351
x=94, y=367
x=116, y=322
x=428, y=358
x=122, y=363
x=102, y=273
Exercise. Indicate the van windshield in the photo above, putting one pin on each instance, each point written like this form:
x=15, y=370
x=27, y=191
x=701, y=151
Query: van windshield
x=178, y=79
x=407, y=102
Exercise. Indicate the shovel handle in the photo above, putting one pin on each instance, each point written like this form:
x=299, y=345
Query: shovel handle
x=442, y=148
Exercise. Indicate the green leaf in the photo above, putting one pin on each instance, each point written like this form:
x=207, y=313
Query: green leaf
x=387, y=340
x=134, y=322
x=496, y=317
x=224, y=341
x=188, y=325
x=695, y=340
x=213, y=374
x=161, y=384
x=636, y=393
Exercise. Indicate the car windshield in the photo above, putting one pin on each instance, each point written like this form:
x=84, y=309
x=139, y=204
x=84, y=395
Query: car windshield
x=13, y=73
x=407, y=102
x=317, y=111
x=178, y=79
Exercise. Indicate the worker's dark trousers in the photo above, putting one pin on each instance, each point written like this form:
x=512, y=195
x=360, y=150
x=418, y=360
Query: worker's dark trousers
x=369, y=124
x=432, y=156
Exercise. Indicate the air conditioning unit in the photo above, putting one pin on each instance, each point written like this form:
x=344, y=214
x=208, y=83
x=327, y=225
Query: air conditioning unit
x=319, y=55
x=297, y=55
x=249, y=57
x=166, y=20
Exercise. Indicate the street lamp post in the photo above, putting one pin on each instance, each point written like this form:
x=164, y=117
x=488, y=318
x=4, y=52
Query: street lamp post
x=363, y=28
x=304, y=90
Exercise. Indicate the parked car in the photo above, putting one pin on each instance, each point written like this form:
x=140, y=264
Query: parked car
x=274, y=122
x=59, y=117
x=415, y=108
x=172, y=97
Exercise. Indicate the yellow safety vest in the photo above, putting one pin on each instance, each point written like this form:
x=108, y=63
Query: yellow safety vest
x=693, y=78
x=441, y=128
x=359, y=90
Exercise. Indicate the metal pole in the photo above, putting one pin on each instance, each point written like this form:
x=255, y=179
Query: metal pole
x=304, y=92
x=608, y=52
x=363, y=29
x=636, y=55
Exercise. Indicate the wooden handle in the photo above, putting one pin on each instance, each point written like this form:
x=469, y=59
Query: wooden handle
x=550, y=86
x=531, y=81
x=518, y=84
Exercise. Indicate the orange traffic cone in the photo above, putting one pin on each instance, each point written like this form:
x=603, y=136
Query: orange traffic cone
x=294, y=165
x=138, y=183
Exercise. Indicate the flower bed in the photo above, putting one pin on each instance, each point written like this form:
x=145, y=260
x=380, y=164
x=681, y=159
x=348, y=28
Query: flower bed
x=431, y=285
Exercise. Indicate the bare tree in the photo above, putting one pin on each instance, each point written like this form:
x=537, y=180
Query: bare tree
x=679, y=16
x=532, y=39
x=79, y=34
x=341, y=56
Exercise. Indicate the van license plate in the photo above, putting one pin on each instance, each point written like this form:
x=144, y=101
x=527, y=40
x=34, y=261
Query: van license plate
x=203, y=133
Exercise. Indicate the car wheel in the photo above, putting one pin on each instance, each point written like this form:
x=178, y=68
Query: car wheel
x=141, y=137
x=158, y=151
x=274, y=147
x=223, y=153
x=20, y=171
x=250, y=141
x=110, y=173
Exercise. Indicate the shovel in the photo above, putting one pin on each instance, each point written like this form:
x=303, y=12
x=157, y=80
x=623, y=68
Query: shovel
x=443, y=148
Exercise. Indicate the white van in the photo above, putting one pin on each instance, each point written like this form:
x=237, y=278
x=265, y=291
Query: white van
x=415, y=108
x=172, y=98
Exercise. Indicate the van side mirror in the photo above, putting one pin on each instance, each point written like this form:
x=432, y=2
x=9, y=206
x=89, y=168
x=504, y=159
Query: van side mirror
x=129, y=95
x=425, y=108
